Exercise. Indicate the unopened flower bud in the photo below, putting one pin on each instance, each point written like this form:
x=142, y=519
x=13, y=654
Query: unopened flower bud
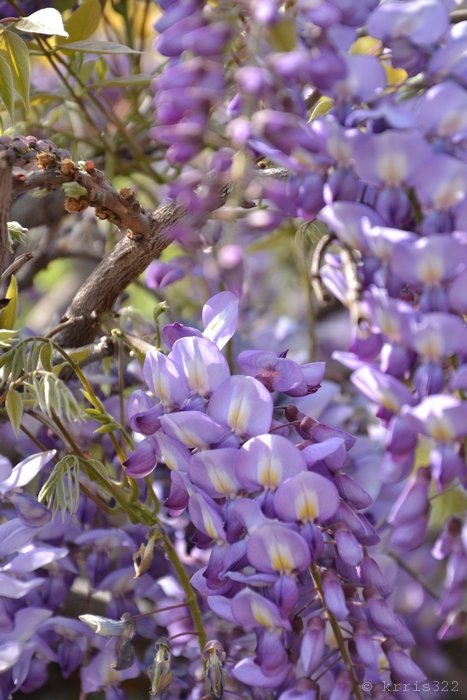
x=214, y=676
x=159, y=671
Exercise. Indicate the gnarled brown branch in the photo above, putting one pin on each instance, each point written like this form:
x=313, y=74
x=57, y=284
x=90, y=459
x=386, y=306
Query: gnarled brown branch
x=147, y=236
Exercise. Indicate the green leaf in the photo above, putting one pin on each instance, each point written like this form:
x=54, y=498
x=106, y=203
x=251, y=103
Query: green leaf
x=7, y=337
x=282, y=35
x=6, y=86
x=307, y=238
x=108, y=428
x=322, y=107
x=53, y=396
x=15, y=51
x=17, y=363
x=84, y=21
x=46, y=356
x=97, y=47
x=46, y=21
x=14, y=409
x=8, y=314
x=61, y=490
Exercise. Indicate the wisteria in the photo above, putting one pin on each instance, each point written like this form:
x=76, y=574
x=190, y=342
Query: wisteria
x=233, y=443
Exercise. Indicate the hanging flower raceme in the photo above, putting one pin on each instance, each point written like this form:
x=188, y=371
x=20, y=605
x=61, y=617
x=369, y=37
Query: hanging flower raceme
x=268, y=494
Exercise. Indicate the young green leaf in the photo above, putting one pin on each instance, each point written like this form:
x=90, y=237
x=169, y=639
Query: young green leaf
x=8, y=314
x=14, y=408
x=46, y=21
x=84, y=21
x=15, y=51
x=97, y=47
x=6, y=86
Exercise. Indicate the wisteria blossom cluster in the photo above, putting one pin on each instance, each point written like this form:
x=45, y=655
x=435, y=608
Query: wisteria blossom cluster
x=267, y=491
x=232, y=522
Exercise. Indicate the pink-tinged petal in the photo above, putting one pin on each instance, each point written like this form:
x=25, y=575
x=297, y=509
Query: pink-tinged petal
x=214, y=472
x=29, y=510
x=442, y=417
x=382, y=240
x=202, y=363
x=5, y=468
x=313, y=374
x=436, y=335
x=14, y=535
x=423, y=22
x=457, y=293
x=447, y=464
x=364, y=80
x=243, y=404
x=206, y=517
x=382, y=389
x=174, y=331
x=222, y=607
x=25, y=471
x=10, y=653
x=306, y=497
x=411, y=535
x=459, y=378
x=160, y=274
x=441, y=183
x=352, y=492
x=14, y=588
x=28, y=620
x=267, y=460
x=165, y=379
x=253, y=580
x=143, y=415
x=322, y=432
x=332, y=452
x=383, y=618
x=448, y=539
x=253, y=610
x=334, y=597
x=389, y=316
x=429, y=260
x=348, y=547
x=342, y=688
x=99, y=673
x=345, y=219
x=105, y=537
x=365, y=646
x=276, y=373
x=220, y=318
x=250, y=514
x=34, y=557
x=372, y=575
x=192, y=428
x=358, y=524
x=248, y=672
x=454, y=627
x=413, y=501
x=143, y=460
x=313, y=645
x=175, y=455
x=271, y=655
x=390, y=157
x=177, y=500
x=403, y=669
x=274, y=547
